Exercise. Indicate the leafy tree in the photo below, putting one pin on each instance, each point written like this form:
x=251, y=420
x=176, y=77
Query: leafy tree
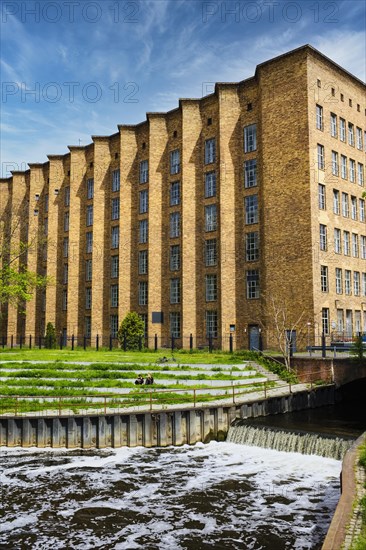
x=17, y=286
x=17, y=283
x=132, y=330
x=50, y=337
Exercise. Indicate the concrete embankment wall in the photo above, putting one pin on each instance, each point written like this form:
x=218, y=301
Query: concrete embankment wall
x=149, y=429
x=338, y=528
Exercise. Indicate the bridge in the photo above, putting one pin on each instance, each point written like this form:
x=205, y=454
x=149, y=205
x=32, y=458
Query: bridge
x=341, y=371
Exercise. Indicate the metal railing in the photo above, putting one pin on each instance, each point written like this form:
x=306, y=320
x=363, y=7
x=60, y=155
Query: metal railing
x=98, y=341
x=150, y=399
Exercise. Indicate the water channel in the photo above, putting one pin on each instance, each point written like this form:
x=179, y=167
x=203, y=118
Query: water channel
x=216, y=496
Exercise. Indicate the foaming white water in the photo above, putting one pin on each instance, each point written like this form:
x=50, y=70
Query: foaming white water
x=229, y=495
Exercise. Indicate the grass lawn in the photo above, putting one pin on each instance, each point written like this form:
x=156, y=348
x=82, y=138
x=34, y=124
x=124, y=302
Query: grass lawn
x=117, y=355
x=68, y=379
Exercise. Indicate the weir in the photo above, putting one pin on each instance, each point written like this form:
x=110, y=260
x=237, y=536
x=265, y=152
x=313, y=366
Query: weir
x=289, y=441
x=159, y=428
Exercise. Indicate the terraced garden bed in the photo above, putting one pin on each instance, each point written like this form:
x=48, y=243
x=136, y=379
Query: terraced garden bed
x=34, y=387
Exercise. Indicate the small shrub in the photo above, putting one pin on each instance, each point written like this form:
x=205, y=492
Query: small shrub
x=357, y=349
x=50, y=337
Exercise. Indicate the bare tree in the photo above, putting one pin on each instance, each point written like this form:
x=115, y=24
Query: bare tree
x=283, y=325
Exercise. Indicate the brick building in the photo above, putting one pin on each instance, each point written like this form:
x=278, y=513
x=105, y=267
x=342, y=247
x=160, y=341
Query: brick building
x=209, y=219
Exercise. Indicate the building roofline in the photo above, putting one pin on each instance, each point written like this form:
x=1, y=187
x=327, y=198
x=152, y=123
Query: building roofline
x=57, y=157
x=150, y=115
x=313, y=51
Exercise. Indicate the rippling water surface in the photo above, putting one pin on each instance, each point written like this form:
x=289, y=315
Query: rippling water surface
x=216, y=496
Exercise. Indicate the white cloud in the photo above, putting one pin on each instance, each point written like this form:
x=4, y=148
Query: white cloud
x=345, y=47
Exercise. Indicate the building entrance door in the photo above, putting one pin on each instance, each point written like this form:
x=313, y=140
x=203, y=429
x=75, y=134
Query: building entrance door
x=254, y=337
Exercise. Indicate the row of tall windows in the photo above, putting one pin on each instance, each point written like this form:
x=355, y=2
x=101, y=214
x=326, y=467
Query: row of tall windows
x=351, y=207
x=346, y=131
x=250, y=144
x=346, y=281
x=351, y=243
x=348, y=166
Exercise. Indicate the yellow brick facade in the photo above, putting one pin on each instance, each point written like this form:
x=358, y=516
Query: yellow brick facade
x=209, y=219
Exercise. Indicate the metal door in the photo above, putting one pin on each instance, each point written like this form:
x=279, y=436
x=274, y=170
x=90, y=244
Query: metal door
x=254, y=337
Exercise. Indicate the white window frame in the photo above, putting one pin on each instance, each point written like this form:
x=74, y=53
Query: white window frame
x=363, y=247
x=144, y=171
x=143, y=231
x=335, y=165
x=250, y=173
x=356, y=283
x=345, y=205
x=353, y=208
x=175, y=161
x=114, y=325
x=342, y=129
x=210, y=151
x=175, y=193
x=210, y=184
x=251, y=209
x=116, y=180
x=210, y=252
x=114, y=295
x=175, y=290
x=211, y=287
x=324, y=278
x=347, y=282
x=115, y=237
x=351, y=134
x=143, y=201
x=88, y=297
x=174, y=261
x=333, y=125
x=90, y=188
x=174, y=225
x=115, y=208
x=325, y=320
x=338, y=280
x=337, y=241
x=360, y=178
x=114, y=267
x=175, y=327
x=336, y=203
x=343, y=167
x=352, y=171
x=143, y=293
x=211, y=324
x=323, y=237
x=211, y=217
x=359, y=138
x=88, y=270
x=250, y=138
x=321, y=196
x=319, y=117
x=362, y=210
x=143, y=262
x=89, y=242
x=89, y=215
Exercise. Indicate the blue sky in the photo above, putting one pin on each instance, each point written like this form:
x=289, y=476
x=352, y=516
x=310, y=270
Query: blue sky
x=72, y=68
